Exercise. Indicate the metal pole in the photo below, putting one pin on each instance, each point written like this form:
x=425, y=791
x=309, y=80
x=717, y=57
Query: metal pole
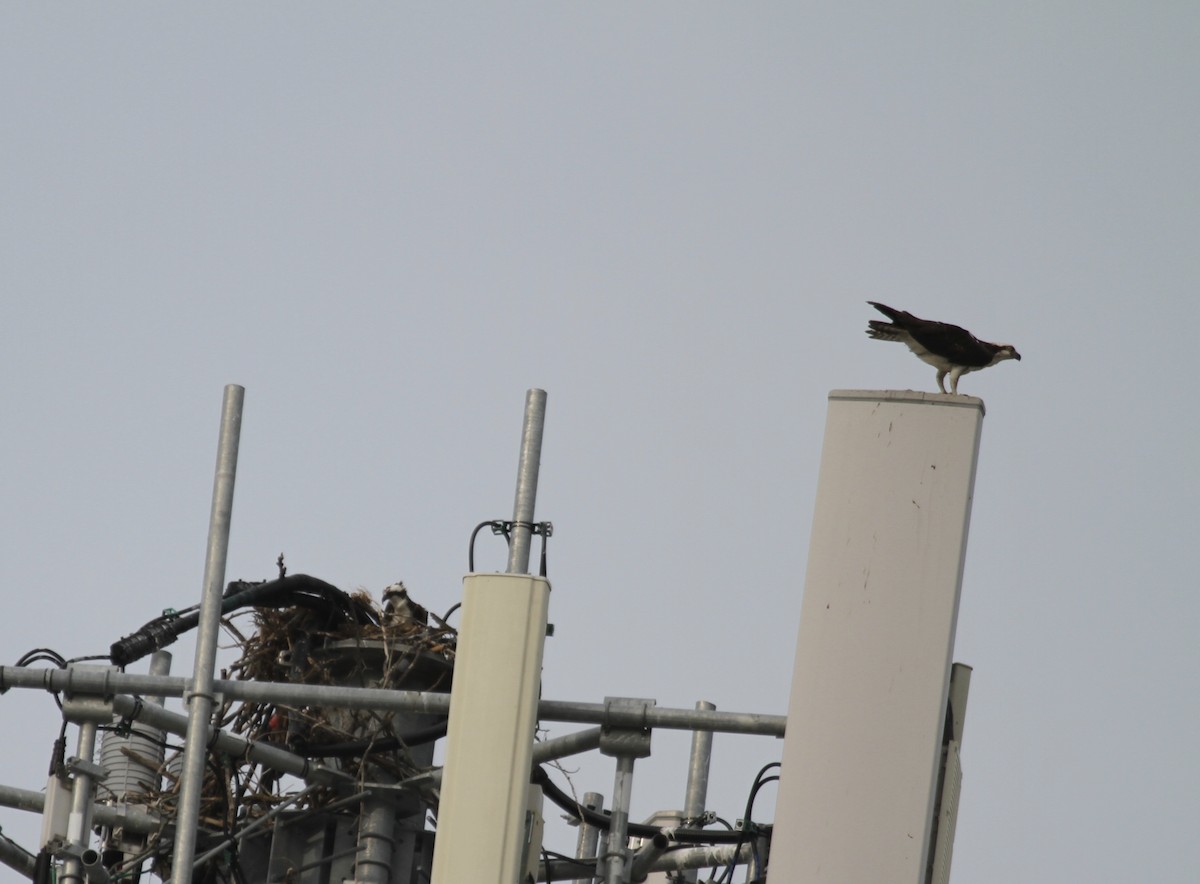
x=645, y=856
x=618, y=832
x=134, y=820
x=698, y=764
x=527, y=481
x=697, y=781
x=107, y=683
x=376, y=840
x=589, y=836
x=571, y=744
x=234, y=746
x=672, y=861
x=18, y=858
x=200, y=701
x=160, y=665
x=79, y=823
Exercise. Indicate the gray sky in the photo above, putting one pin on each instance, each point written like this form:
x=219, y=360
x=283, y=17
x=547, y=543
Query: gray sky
x=388, y=222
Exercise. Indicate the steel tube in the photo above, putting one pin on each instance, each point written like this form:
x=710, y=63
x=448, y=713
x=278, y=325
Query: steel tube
x=234, y=746
x=644, y=857
x=376, y=840
x=673, y=861
x=589, y=836
x=697, y=781
x=79, y=823
x=698, y=765
x=547, y=750
x=702, y=857
x=201, y=701
x=108, y=683
x=94, y=870
x=617, y=844
x=527, y=481
x=570, y=744
x=665, y=718
x=17, y=858
x=132, y=819
x=160, y=665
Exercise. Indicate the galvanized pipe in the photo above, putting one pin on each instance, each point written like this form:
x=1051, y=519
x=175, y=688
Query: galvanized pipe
x=673, y=861
x=160, y=665
x=201, y=700
x=702, y=857
x=133, y=820
x=527, y=481
x=79, y=823
x=108, y=683
x=755, y=867
x=698, y=765
x=617, y=845
x=546, y=750
x=376, y=840
x=17, y=858
x=697, y=781
x=589, y=836
x=665, y=718
x=570, y=744
x=94, y=870
x=644, y=857
x=234, y=746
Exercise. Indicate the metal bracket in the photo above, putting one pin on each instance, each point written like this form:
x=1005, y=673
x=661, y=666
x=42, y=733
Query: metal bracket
x=216, y=698
x=80, y=707
x=79, y=766
x=623, y=739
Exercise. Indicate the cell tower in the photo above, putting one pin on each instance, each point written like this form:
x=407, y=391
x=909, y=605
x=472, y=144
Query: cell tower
x=312, y=762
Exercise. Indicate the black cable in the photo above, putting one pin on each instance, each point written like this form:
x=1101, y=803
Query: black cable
x=601, y=820
x=497, y=526
x=748, y=828
x=88, y=657
x=298, y=590
x=43, y=655
x=42, y=868
x=542, y=561
x=552, y=859
x=500, y=527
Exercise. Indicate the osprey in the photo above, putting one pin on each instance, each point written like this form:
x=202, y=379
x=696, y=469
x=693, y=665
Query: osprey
x=397, y=605
x=951, y=350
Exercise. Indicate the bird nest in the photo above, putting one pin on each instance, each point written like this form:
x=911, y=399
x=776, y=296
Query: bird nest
x=392, y=646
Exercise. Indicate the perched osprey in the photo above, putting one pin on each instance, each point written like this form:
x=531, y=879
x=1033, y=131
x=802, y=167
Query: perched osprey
x=397, y=606
x=951, y=350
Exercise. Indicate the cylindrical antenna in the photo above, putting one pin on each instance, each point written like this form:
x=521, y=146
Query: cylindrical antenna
x=527, y=481
x=200, y=701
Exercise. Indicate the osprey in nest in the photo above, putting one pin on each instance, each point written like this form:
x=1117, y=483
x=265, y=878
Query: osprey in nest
x=951, y=350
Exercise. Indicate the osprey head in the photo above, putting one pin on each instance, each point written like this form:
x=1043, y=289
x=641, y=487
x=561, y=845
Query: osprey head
x=1005, y=351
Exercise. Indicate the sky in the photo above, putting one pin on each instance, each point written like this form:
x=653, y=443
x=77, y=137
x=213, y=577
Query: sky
x=387, y=222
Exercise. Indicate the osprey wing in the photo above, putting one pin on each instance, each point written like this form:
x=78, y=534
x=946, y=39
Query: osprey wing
x=957, y=345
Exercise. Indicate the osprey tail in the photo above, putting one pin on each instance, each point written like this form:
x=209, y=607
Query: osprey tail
x=883, y=331
x=900, y=317
x=889, y=331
